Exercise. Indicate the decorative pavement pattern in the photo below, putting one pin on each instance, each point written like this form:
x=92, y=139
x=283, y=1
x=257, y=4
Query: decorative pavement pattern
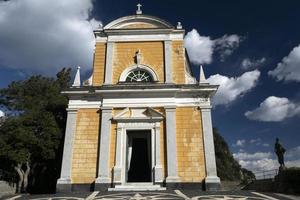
x=176, y=195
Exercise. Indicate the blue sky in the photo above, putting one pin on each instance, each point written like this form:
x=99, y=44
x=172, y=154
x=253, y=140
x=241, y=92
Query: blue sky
x=251, y=48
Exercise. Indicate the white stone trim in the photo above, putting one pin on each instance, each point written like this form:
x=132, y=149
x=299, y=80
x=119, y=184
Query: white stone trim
x=209, y=148
x=76, y=104
x=140, y=66
x=141, y=38
x=103, y=162
x=171, y=145
x=158, y=177
x=156, y=102
x=108, y=63
x=117, y=170
x=66, y=168
x=140, y=102
x=168, y=61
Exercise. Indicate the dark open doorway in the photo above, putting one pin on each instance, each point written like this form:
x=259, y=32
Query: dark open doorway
x=139, y=156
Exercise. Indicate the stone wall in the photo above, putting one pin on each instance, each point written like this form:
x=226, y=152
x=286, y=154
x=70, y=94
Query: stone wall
x=85, y=148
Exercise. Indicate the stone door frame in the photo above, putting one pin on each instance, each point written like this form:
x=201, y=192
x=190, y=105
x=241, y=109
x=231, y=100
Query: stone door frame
x=120, y=168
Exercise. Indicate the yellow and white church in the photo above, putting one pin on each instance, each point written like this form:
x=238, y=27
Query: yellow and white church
x=141, y=121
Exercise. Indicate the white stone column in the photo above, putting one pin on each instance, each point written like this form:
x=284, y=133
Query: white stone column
x=103, y=162
x=108, y=63
x=168, y=61
x=171, y=145
x=212, y=181
x=158, y=166
x=118, y=166
x=66, y=168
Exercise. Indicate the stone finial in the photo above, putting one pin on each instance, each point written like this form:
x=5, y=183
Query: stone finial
x=100, y=26
x=139, y=11
x=179, y=25
x=77, y=82
x=202, y=79
x=138, y=57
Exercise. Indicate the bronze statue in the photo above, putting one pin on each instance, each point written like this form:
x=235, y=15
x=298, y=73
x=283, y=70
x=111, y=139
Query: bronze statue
x=279, y=150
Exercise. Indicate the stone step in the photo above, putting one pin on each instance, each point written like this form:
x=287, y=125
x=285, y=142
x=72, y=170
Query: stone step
x=137, y=187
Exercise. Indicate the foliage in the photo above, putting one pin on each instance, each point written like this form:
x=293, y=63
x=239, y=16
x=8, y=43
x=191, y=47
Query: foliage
x=227, y=167
x=30, y=139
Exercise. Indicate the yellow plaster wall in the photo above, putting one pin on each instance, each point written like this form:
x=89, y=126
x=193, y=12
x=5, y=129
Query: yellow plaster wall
x=152, y=56
x=190, y=150
x=85, y=147
x=178, y=62
x=99, y=63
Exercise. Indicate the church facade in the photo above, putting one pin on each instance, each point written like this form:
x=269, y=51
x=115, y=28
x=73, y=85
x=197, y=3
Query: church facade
x=142, y=121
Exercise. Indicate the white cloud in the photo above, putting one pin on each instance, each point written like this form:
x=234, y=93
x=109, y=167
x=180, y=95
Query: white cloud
x=227, y=44
x=265, y=144
x=274, y=109
x=2, y=114
x=255, y=141
x=254, y=156
x=293, y=163
x=239, y=143
x=293, y=153
x=201, y=48
x=232, y=88
x=258, y=161
x=43, y=36
x=247, y=63
x=289, y=68
x=263, y=161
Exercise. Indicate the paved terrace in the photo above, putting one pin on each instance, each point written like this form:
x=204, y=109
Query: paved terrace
x=176, y=194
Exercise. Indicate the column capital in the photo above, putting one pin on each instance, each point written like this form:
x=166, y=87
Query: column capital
x=72, y=110
x=205, y=108
x=170, y=108
x=106, y=109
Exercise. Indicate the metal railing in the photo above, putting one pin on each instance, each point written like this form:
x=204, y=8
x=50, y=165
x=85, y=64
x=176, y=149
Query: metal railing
x=267, y=174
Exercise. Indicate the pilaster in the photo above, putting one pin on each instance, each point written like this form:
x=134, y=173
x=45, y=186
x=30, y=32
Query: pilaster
x=171, y=145
x=158, y=167
x=168, y=61
x=108, y=63
x=118, y=167
x=103, y=180
x=212, y=181
x=64, y=182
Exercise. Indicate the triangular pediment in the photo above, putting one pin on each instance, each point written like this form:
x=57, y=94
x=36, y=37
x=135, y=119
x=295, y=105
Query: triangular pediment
x=138, y=114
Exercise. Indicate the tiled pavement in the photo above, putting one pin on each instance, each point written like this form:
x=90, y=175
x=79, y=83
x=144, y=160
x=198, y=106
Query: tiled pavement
x=176, y=194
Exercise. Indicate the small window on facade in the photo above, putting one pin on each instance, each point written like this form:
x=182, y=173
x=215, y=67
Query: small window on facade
x=139, y=75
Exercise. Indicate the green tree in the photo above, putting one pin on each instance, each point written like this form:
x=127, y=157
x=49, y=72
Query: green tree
x=227, y=167
x=30, y=137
